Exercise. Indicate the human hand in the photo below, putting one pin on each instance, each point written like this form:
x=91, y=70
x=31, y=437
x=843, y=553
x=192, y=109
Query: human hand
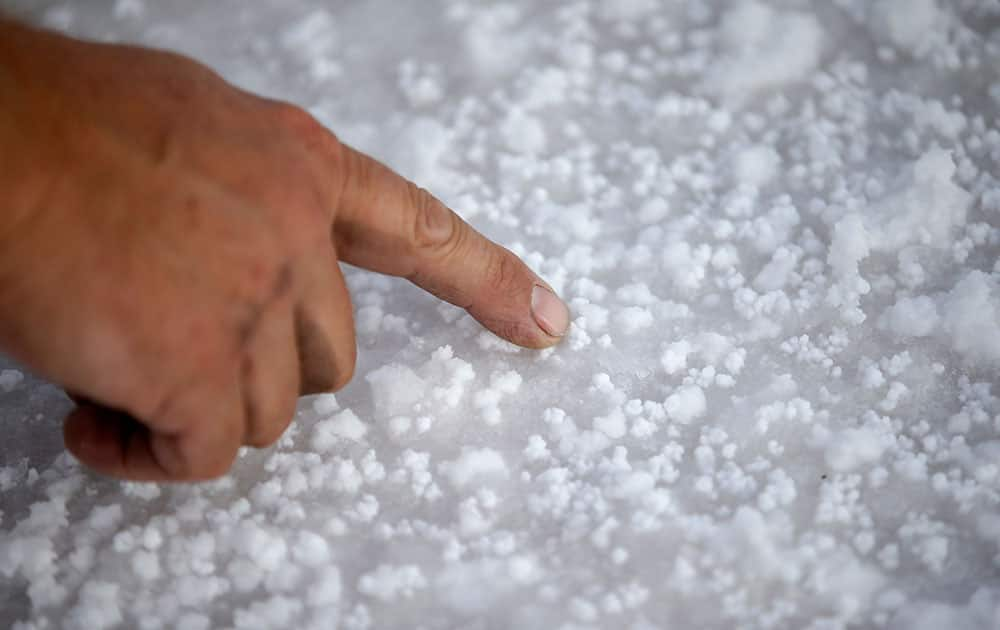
x=169, y=251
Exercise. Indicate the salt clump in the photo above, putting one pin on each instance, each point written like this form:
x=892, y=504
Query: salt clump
x=764, y=48
x=914, y=26
x=475, y=465
x=523, y=133
x=686, y=404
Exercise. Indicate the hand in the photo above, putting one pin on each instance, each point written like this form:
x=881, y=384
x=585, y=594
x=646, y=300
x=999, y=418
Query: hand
x=169, y=251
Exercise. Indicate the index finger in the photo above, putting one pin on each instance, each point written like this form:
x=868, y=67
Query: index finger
x=387, y=224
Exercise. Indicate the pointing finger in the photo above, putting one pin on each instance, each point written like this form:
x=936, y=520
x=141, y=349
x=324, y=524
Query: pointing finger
x=389, y=225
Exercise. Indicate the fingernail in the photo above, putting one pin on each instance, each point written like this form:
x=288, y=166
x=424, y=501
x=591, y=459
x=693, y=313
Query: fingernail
x=549, y=311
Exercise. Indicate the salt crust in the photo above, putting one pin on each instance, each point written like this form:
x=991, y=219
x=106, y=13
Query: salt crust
x=776, y=405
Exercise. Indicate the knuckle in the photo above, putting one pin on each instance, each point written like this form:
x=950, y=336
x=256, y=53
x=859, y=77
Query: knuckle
x=294, y=117
x=308, y=132
x=501, y=273
x=327, y=381
x=515, y=332
x=209, y=466
x=269, y=281
x=270, y=433
x=212, y=468
x=177, y=464
x=434, y=226
x=181, y=463
x=273, y=425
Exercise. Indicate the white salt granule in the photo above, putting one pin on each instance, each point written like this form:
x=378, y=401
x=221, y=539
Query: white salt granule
x=310, y=550
x=488, y=400
x=277, y=611
x=911, y=317
x=684, y=264
x=536, y=449
x=418, y=149
x=626, y=10
x=897, y=392
x=756, y=165
x=686, y=404
x=59, y=17
x=471, y=519
x=325, y=588
x=914, y=26
x=925, y=208
x=395, y=389
x=347, y=425
x=523, y=133
x=98, y=607
x=777, y=273
x=104, y=518
x=632, y=319
x=421, y=91
x=399, y=426
x=970, y=317
x=475, y=464
x=653, y=211
x=10, y=379
x=852, y=448
x=592, y=316
x=128, y=9
x=387, y=582
x=193, y=621
x=543, y=87
x=146, y=565
x=637, y=293
x=508, y=382
x=771, y=171
x=870, y=375
x=326, y=434
x=979, y=613
x=764, y=48
x=524, y=569
x=315, y=32
x=933, y=552
x=613, y=425
x=325, y=404
x=446, y=376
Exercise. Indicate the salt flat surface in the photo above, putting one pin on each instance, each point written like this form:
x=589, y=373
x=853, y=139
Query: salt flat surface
x=778, y=227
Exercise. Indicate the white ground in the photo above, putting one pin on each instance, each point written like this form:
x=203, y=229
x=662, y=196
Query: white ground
x=778, y=226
